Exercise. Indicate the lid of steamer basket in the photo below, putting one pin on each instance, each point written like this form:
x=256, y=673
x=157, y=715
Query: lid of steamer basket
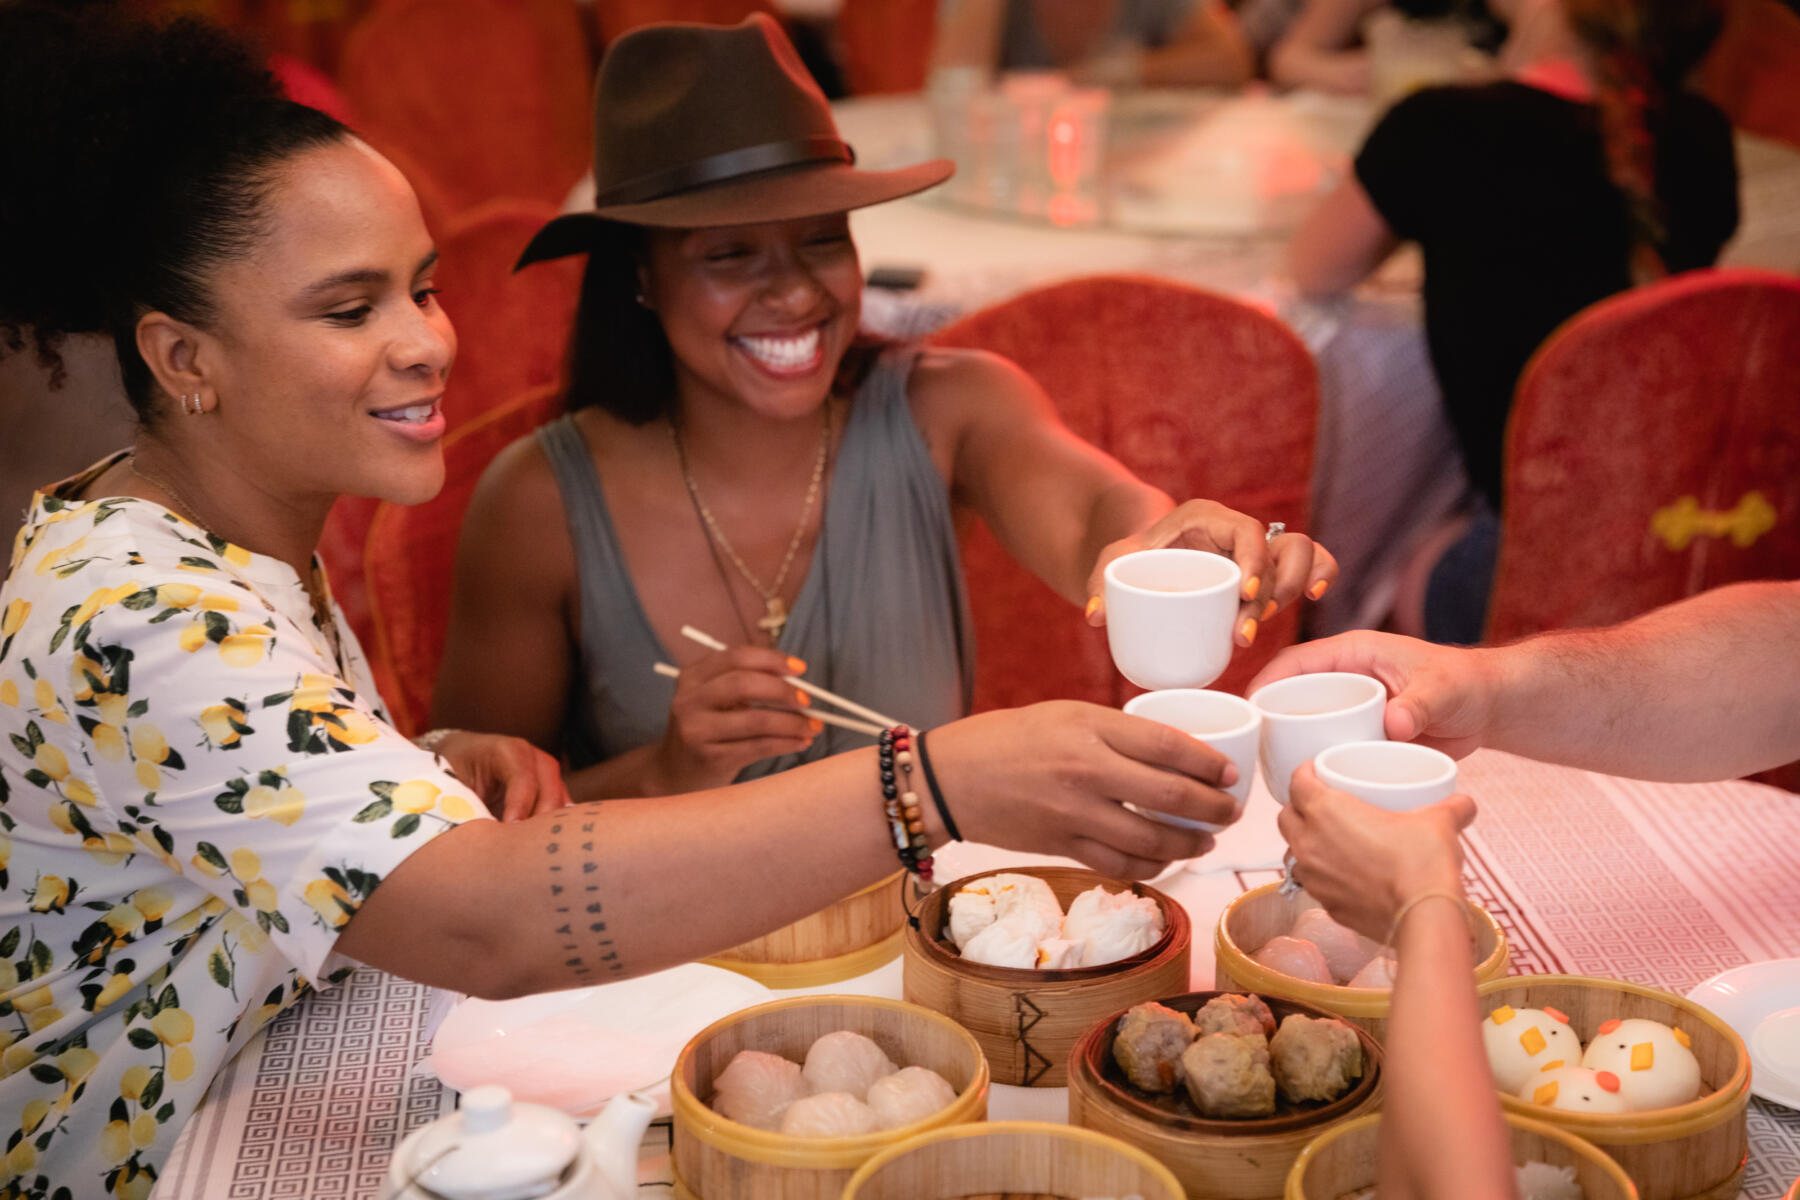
x=493, y=1148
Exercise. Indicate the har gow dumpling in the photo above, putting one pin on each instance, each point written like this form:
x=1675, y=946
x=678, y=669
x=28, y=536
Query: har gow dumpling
x=909, y=1094
x=1346, y=951
x=828, y=1114
x=1378, y=972
x=1005, y=943
x=845, y=1062
x=756, y=1088
x=1295, y=958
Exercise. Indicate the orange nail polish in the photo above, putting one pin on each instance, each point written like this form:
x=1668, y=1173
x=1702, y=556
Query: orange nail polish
x=1093, y=606
x=796, y=666
x=1248, y=629
x=1318, y=589
x=816, y=725
x=802, y=699
x=1252, y=586
x=1269, y=610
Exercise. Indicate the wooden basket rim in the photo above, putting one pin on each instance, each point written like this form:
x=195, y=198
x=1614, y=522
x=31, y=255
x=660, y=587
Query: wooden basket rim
x=1295, y=1189
x=786, y=1150
x=1051, y=1129
x=1657, y=1124
x=1341, y=1000
x=1102, y=1092
x=931, y=946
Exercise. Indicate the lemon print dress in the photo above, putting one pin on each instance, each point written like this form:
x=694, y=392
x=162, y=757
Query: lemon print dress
x=195, y=797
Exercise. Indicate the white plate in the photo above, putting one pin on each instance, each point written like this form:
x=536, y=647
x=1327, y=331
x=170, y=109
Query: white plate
x=574, y=1050
x=1756, y=1000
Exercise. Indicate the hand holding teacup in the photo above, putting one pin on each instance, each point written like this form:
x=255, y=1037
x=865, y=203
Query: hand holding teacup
x=1275, y=571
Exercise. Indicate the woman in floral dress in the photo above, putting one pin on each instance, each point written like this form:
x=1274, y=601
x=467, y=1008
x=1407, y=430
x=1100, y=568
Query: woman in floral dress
x=203, y=809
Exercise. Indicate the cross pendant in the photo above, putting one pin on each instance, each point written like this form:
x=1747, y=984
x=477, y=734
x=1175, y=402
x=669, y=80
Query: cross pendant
x=776, y=619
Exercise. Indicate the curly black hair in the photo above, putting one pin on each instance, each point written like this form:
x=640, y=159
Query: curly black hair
x=138, y=159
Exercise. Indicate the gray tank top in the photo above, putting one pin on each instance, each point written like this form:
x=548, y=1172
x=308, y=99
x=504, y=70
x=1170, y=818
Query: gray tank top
x=882, y=617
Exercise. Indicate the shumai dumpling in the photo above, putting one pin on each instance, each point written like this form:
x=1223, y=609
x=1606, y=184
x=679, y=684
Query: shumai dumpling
x=1234, y=1012
x=845, y=1062
x=1228, y=1076
x=1654, y=1063
x=1149, y=1045
x=1575, y=1089
x=828, y=1114
x=1346, y=951
x=756, y=1088
x=1295, y=958
x=909, y=1094
x=1315, y=1058
x=1520, y=1041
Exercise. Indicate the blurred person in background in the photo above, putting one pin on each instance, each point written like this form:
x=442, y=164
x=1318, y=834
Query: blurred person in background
x=1589, y=168
x=1112, y=43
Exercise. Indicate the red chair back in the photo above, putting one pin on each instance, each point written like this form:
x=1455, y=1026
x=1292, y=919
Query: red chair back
x=512, y=329
x=1653, y=452
x=1753, y=70
x=886, y=44
x=410, y=555
x=614, y=17
x=490, y=97
x=1200, y=395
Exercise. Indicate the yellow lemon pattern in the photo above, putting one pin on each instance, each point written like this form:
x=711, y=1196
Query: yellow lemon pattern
x=194, y=801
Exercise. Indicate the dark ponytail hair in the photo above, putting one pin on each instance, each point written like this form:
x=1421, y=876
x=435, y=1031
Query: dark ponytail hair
x=1643, y=50
x=619, y=357
x=138, y=162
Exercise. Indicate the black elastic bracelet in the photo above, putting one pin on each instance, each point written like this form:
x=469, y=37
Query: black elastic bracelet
x=937, y=796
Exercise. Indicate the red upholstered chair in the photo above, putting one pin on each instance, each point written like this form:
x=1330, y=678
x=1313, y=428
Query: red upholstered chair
x=410, y=555
x=1199, y=394
x=614, y=17
x=885, y=45
x=512, y=329
x=1653, y=452
x=490, y=97
x=1753, y=70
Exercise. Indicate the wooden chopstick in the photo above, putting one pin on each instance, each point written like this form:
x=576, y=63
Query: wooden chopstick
x=811, y=689
x=663, y=668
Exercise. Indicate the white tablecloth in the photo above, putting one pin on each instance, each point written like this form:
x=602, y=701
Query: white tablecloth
x=1657, y=883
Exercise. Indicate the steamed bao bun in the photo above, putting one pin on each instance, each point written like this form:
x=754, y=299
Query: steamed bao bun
x=1574, y=1089
x=1522, y=1041
x=1654, y=1064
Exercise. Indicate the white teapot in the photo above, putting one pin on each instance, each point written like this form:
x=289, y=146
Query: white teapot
x=495, y=1148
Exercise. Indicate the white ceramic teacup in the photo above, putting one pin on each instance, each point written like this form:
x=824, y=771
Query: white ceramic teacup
x=1229, y=724
x=1304, y=714
x=1169, y=616
x=1397, y=776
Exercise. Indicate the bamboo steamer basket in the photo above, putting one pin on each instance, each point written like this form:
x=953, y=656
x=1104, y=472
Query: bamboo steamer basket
x=1011, y=1159
x=1344, y=1160
x=1694, y=1151
x=718, y=1159
x=1027, y=1021
x=850, y=938
x=1249, y=921
x=1221, y=1159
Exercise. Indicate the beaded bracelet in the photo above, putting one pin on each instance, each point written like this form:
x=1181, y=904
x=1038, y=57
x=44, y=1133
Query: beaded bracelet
x=937, y=796
x=906, y=822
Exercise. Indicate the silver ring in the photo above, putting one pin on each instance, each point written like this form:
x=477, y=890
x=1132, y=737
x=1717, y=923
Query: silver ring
x=1276, y=529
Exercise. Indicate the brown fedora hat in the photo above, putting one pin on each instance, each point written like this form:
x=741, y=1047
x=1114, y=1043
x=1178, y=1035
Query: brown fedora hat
x=698, y=125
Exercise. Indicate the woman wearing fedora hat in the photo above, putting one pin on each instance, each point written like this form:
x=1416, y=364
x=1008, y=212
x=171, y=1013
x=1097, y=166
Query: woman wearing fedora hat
x=204, y=811
x=739, y=460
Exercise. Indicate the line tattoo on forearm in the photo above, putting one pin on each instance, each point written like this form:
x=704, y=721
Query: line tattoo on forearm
x=575, y=897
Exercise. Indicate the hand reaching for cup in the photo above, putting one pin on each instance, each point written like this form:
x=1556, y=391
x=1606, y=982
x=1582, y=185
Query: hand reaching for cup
x=1439, y=696
x=732, y=708
x=1276, y=572
x=1364, y=863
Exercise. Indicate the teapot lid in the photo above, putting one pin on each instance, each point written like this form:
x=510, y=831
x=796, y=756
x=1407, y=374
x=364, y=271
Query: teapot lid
x=495, y=1149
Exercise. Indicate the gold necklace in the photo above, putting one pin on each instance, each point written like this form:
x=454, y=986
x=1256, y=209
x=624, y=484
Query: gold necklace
x=322, y=615
x=776, y=612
